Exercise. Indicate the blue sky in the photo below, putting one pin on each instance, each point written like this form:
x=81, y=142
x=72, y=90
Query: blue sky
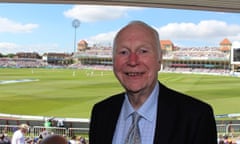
x=48, y=27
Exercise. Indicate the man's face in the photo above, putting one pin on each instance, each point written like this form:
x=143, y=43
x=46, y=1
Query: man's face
x=136, y=60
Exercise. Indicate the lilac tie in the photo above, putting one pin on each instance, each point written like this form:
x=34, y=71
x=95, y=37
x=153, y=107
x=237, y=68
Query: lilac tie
x=133, y=136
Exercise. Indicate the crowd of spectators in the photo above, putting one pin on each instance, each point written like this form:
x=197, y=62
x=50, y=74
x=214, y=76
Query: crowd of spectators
x=96, y=51
x=227, y=139
x=197, y=53
x=93, y=67
x=6, y=139
x=23, y=134
x=21, y=63
x=198, y=70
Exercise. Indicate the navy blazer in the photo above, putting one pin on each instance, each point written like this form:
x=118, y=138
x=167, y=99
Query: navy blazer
x=181, y=119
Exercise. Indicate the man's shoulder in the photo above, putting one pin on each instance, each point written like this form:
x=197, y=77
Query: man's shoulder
x=109, y=106
x=183, y=99
x=117, y=98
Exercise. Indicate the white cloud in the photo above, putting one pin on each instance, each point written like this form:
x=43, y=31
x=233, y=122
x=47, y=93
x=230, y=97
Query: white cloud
x=93, y=13
x=204, y=32
x=207, y=30
x=7, y=25
x=102, y=39
x=236, y=44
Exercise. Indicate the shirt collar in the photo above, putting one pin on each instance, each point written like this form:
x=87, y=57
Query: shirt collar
x=147, y=110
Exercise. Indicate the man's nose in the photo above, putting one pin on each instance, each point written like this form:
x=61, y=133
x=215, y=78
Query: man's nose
x=133, y=59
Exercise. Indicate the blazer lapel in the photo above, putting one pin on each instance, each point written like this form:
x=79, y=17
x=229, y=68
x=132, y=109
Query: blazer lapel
x=165, y=119
x=112, y=117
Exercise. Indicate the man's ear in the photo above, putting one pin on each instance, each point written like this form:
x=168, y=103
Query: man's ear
x=160, y=58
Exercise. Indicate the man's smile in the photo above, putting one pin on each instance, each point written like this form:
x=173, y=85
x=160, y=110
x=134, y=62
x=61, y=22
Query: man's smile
x=133, y=74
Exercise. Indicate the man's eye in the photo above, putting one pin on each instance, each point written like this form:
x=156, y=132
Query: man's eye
x=123, y=52
x=142, y=51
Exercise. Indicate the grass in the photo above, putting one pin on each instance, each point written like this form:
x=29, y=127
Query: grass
x=222, y=92
x=60, y=93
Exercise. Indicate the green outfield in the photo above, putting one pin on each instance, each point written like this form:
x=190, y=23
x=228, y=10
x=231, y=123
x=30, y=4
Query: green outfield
x=72, y=93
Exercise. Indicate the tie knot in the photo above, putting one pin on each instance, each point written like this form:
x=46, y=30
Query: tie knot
x=136, y=117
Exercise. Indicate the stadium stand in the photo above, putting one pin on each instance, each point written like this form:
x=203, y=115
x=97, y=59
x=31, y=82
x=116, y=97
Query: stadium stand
x=211, y=60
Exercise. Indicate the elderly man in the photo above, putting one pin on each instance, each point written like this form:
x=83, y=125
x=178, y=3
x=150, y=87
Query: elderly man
x=147, y=112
